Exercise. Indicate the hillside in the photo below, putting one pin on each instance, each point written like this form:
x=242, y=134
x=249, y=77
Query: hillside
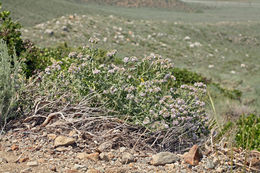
x=140, y=3
x=31, y=12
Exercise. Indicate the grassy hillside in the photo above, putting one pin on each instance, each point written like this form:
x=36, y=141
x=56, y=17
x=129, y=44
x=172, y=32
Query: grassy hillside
x=30, y=12
x=141, y=3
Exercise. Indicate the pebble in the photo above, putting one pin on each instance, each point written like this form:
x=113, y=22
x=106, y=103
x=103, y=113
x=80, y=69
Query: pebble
x=105, y=146
x=63, y=141
x=33, y=163
x=104, y=156
x=78, y=167
x=51, y=136
x=127, y=158
x=122, y=149
x=164, y=158
x=220, y=170
x=194, y=156
x=53, y=168
x=209, y=164
x=93, y=171
x=27, y=170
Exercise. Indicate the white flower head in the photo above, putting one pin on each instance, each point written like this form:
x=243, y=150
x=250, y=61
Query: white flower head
x=96, y=71
x=146, y=120
x=126, y=60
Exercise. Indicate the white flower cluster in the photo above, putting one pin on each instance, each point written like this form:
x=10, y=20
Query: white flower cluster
x=111, y=53
x=54, y=67
x=144, y=89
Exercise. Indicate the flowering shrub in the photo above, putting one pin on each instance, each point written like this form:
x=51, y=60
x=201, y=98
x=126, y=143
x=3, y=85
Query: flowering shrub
x=144, y=91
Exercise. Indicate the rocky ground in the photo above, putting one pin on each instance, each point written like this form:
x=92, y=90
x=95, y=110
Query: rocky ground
x=41, y=150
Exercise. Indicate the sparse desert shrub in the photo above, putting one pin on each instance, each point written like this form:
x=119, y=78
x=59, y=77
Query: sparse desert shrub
x=9, y=83
x=248, y=134
x=142, y=91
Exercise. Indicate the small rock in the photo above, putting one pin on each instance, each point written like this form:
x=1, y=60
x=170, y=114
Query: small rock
x=105, y=146
x=111, y=156
x=53, y=168
x=14, y=147
x=127, y=158
x=93, y=171
x=72, y=133
x=92, y=156
x=104, y=156
x=82, y=155
x=183, y=171
x=26, y=170
x=41, y=160
x=219, y=170
x=210, y=164
x=65, y=28
x=14, y=141
x=215, y=160
x=63, y=141
x=49, y=32
x=21, y=160
x=51, y=136
x=122, y=149
x=116, y=170
x=33, y=163
x=3, y=160
x=170, y=166
x=44, y=134
x=164, y=158
x=193, y=156
x=61, y=149
x=78, y=167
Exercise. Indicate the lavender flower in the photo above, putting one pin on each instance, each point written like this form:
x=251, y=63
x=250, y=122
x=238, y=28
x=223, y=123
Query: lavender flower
x=111, y=53
x=126, y=60
x=96, y=71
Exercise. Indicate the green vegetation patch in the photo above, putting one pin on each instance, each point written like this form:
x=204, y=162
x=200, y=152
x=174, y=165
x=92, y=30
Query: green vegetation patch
x=248, y=134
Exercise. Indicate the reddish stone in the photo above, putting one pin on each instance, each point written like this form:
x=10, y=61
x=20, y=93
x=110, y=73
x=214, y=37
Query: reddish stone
x=92, y=156
x=21, y=160
x=193, y=156
x=15, y=147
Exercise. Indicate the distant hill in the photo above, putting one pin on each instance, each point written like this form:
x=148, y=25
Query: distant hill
x=32, y=12
x=140, y=3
